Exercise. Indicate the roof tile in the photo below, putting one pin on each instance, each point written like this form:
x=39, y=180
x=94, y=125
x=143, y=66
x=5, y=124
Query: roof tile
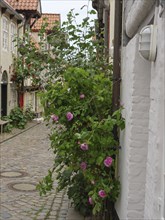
x=24, y=4
x=48, y=18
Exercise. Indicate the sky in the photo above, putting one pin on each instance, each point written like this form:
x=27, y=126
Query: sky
x=63, y=7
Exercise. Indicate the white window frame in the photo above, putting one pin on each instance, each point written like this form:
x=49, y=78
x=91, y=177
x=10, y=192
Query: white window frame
x=5, y=33
x=13, y=33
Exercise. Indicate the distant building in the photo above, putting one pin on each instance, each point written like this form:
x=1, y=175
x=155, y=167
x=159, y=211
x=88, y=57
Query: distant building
x=11, y=26
x=50, y=19
x=18, y=17
x=30, y=9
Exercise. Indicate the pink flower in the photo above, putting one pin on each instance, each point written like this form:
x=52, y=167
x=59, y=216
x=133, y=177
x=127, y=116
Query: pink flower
x=82, y=96
x=84, y=146
x=90, y=201
x=102, y=193
x=83, y=166
x=69, y=116
x=108, y=161
x=54, y=117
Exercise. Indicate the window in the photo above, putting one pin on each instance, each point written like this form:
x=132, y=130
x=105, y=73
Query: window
x=5, y=27
x=13, y=35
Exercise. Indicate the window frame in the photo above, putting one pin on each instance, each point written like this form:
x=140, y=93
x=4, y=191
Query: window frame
x=13, y=34
x=5, y=33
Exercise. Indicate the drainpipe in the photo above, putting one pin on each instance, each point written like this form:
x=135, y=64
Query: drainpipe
x=116, y=79
x=117, y=66
x=117, y=58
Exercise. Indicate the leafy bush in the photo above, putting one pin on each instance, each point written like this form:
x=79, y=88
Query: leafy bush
x=82, y=137
x=18, y=118
x=29, y=113
x=8, y=128
x=77, y=96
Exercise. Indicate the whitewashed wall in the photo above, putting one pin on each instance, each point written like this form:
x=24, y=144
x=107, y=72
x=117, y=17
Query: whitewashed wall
x=0, y=60
x=6, y=61
x=141, y=165
x=154, y=194
x=134, y=140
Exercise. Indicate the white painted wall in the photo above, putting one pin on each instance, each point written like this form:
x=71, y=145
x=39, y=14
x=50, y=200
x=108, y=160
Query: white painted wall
x=154, y=195
x=6, y=60
x=141, y=164
x=133, y=156
x=29, y=100
x=0, y=33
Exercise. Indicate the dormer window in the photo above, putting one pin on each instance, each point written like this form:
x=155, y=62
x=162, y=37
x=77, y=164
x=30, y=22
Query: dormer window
x=5, y=27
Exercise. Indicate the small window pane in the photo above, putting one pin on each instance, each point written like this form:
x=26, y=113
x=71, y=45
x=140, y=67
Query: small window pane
x=5, y=33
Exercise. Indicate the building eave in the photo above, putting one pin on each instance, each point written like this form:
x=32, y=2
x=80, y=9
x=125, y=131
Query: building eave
x=11, y=10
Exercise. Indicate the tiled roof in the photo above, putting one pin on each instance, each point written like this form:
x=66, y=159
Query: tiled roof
x=48, y=18
x=12, y=11
x=29, y=5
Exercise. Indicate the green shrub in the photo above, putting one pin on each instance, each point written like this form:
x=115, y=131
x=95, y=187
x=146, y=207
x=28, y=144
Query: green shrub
x=82, y=138
x=77, y=95
x=17, y=117
x=29, y=113
x=8, y=128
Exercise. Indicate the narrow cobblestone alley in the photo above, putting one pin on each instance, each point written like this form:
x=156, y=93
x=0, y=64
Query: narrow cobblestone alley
x=24, y=160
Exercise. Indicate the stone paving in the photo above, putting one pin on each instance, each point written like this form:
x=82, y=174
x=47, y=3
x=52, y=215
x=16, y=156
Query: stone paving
x=25, y=159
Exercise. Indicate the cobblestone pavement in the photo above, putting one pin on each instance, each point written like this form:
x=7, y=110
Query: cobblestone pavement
x=29, y=154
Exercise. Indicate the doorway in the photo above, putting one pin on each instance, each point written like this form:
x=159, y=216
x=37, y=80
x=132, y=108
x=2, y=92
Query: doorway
x=4, y=94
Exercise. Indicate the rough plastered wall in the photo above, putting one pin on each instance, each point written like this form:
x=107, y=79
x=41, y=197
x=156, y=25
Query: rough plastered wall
x=142, y=157
x=154, y=196
x=6, y=60
x=135, y=92
x=0, y=58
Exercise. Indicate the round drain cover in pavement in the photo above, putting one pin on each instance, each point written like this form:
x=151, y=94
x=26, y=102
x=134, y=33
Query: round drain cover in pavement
x=26, y=187
x=12, y=174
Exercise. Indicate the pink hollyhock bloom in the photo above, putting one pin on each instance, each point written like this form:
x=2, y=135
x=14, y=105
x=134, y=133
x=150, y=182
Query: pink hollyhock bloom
x=84, y=146
x=102, y=193
x=90, y=201
x=83, y=166
x=69, y=116
x=108, y=161
x=82, y=96
x=54, y=117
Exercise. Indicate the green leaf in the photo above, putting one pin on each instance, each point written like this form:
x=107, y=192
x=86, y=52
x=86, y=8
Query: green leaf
x=99, y=160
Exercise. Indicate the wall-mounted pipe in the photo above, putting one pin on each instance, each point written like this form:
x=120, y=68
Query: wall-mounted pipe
x=116, y=57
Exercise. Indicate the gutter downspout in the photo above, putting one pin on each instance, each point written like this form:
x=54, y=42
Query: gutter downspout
x=111, y=213
x=117, y=57
x=117, y=68
x=117, y=78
